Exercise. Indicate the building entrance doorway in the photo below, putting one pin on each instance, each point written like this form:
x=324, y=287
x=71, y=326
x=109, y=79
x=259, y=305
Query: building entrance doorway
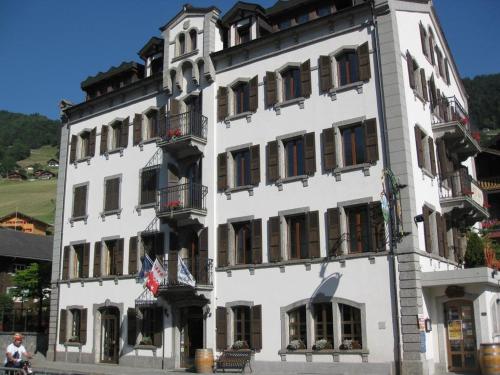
x=461, y=336
x=191, y=334
x=110, y=335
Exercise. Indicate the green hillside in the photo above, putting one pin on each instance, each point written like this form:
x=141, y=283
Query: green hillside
x=39, y=156
x=34, y=198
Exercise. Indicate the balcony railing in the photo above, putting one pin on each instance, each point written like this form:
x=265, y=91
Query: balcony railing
x=461, y=184
x=181, y=198
x=200, y=268
x=449, y=110
x=183, y=125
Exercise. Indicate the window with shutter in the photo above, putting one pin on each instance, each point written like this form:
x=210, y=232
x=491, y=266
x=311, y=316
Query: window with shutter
x=112, y=194
x=257, y=241
x=423, y=40
x=132, y=256
x=272, y=161
x=86, y=260
x=274, y=239
x=97, y=259
x=80, y=201
x=222, y=171
x=65, y=263
x=76, y=270
x=241, y=170
x=72, y=152
x=149, y=185
x=329, y=152
x=371, y=140
x=222, y=107
x=83, y=326
x=363, y=53
x=305, y=79
x=358, y=229
x=221, y=328
x=131, y=327
x=241, y=97
x=254, y=94
x=62, y=326
x=411, y=74
x=104, y=140
x=420, y=149
x=137, y=129
x=242, y=324
x=291, y=83
x=353, y=144
x=256, y=327
x=313, y=234
x=92, y=138
x=325, y=73
x=334, y=234
x=347, y=68
x=255, y=165
x=222, y=248
x=426, y=212
x=271, y=89
x=425, y=92
x=377, y=227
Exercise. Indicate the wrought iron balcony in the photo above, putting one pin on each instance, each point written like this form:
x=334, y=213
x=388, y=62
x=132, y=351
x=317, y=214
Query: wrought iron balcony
x=182, y=201
x=200, y=268
x=453, y=124
x=461, y=197
x=184, y=134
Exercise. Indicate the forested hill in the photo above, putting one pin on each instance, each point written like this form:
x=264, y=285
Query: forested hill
x=484, y=100
x=20, y=133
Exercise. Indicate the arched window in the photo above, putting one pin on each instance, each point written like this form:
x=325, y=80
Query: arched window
x=192, y=36
x=182, y=44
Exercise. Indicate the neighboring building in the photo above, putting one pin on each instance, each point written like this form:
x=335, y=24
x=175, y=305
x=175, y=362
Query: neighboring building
x=257, y=146
x=18, y=250
x=53, y=163
x=24, y=223
x=16, y=176
x=45, y=175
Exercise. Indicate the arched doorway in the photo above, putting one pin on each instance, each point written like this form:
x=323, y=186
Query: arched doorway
x=460, y=336
x=110, y=335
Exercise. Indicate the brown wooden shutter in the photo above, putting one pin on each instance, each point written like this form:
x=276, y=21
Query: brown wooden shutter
x=439, y=227
x=92, y=137
x=309, y=154
x=305, y=79
x=256, y=327
x=377, y=227
x=444, y=227
x=272, y=161
x=83, y=326
x=173, y=256
x=174, y=111
x=425, y=91
x=72, y=151
x=364, y=62
x=371, y=140
x=274, y=239
x=420, y=148
x=158, y=327
x=131, y=326
x=62, y=326
x=222, y=248
x=334, y=234
x=222, y=171
x=329, y=152
x=431, y=50
x=257, y=241
x=447, y=71
x=427, y=229
x=161, y=123
x=313, y=234
x=137, y=126
x=119, y=257
x=432, y=154
x=255, y=165
x=432, y=92
x=409, y=64
x=124, y=133
x=441, y=156
x=422, y=39
x=271, y=89
x=132, y=256
x=325, y=73
x=203, y=258
x=221, y=328
x=65, y=269
x=254, y=94
x=97, y=259
x=222, y=107
x=86, y=259
x=104, y=140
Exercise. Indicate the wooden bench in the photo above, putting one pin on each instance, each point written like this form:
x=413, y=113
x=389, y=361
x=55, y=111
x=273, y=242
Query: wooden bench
x=233, y=360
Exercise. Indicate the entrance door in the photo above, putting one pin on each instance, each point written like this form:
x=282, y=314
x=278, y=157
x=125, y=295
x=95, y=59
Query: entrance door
x=461, y=336
x=192, y=335
x=109, y=336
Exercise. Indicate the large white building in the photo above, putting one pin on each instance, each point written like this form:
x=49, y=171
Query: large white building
x=310, y=162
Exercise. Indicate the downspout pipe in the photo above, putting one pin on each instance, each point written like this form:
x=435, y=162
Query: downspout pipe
x=387, y=165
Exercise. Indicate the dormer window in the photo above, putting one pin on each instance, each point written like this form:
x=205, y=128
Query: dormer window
x=156, y=65
x=243, y=34
x=291, y=83
x=182, y=44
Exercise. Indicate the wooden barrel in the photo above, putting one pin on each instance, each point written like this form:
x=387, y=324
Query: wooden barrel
x=489, y=358
x=204, y=361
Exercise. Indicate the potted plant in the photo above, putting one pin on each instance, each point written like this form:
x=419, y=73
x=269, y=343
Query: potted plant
x=322, y=344
x=146, y=340
x=346, y=345
x=296, y=344
x=240, y=345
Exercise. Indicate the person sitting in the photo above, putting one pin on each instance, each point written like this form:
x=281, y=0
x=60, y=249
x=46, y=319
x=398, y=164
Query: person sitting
x=15, y=352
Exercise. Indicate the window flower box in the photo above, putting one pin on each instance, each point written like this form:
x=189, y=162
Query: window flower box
x=240, y=345
x=173, y=204
x=322, y=344
x=174, y=133
x=296, y=345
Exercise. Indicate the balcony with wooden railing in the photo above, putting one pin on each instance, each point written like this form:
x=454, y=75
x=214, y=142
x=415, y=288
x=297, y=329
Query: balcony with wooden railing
x=182, y=202
x=462, y=198
x=452, y=122
x=184, y=134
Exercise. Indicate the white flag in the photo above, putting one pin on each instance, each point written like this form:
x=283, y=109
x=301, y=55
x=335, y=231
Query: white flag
x=158, y=271
x=183, y=274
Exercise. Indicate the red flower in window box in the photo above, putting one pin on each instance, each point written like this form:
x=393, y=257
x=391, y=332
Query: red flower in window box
x=467, y=192
x=172, y=133
x=172, y=204
x=464, y=120
x=476, y=136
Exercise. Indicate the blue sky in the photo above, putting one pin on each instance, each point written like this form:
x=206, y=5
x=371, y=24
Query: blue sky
x=48, y=47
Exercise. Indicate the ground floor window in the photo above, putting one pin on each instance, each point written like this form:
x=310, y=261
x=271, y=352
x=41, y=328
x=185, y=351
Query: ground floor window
x=323, y=325
x=351, y=327
x=242, y=325
x=297, y=328
x=145, y=326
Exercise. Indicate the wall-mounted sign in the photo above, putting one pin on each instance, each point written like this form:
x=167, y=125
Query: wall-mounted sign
x=423, y=348
x=455, y=291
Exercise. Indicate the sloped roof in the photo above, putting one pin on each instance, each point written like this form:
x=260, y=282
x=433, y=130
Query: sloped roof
x=113, y=71
x=188, y=8
x=282, y=5
x=239, y=7
x=21, y=245
x=153, y=45
x=24, y=216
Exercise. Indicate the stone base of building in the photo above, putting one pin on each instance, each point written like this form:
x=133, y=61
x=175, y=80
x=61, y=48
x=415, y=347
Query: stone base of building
x=338, y=368
x=414, y=367
x=135, y=361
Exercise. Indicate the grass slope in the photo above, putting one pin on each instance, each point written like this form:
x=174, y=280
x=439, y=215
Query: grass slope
x=34, y=198
x=40, y=155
